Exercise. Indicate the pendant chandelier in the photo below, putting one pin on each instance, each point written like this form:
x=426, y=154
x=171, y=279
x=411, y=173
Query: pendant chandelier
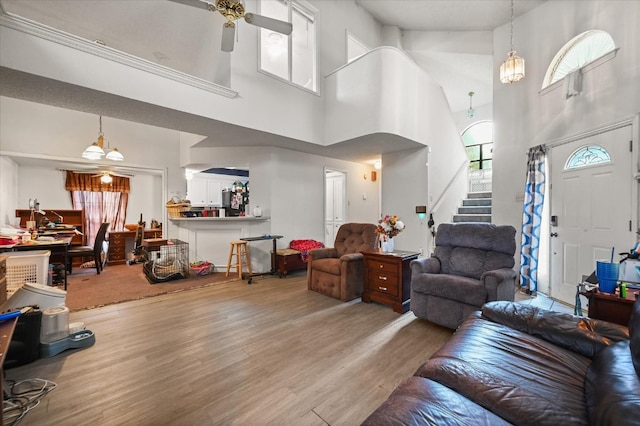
x=512, y=69
x=471, y=112
x=96, y=150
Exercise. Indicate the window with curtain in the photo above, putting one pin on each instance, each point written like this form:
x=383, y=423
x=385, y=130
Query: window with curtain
x=102, y=202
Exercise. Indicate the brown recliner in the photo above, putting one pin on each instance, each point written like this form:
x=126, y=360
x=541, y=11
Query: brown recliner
x=338, y=271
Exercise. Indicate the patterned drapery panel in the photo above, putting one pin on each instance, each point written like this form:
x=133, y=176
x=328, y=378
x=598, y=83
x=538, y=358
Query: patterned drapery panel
x=92, y=183
x=532, y=219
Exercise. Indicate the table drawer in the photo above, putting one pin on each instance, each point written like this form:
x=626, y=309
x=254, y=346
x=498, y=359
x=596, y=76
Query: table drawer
x=117, y=250
x=383, y=283
x=118, y=240
x=115, y=256
x=387, y=267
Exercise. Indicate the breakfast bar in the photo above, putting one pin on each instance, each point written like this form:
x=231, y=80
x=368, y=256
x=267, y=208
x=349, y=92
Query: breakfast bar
x=209, y=238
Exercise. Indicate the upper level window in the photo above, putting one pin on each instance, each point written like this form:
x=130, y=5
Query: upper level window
x=587, y=156
x=478, y=140
x=290, y=58
x=578, y=52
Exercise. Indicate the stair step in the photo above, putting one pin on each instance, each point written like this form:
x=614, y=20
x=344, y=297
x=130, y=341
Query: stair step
x=474, y=210
x=472, y=218
x=485, y=194
x=477, y=202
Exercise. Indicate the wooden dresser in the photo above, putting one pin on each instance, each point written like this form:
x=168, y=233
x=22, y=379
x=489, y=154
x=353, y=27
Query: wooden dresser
x=118, y=243
x=387, y=279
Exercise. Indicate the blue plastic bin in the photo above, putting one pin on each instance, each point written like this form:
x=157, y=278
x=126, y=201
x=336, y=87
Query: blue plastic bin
x=607, y=274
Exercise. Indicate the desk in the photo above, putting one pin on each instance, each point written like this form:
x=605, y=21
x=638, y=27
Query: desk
x=60, y=245
x=273, y=254
x=117, y=254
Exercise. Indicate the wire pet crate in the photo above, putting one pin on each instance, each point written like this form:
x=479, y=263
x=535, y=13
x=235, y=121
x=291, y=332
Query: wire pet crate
x=170, y=262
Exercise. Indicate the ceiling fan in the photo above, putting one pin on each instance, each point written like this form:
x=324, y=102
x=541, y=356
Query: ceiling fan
x=106, y=176
x=233, y=10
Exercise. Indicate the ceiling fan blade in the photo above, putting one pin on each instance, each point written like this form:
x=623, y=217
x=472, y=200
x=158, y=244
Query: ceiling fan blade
x=269, y=23
x=228, y=34
x=195, y=3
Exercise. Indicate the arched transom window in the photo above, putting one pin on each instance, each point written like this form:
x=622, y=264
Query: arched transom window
x=478, y=141
x=578, y=52
x=587, y=156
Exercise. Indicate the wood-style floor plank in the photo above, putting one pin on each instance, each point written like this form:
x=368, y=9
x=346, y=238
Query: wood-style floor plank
x=270, y=353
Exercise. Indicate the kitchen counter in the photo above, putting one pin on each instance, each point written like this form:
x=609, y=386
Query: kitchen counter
x=209, y=238
x=219, y=219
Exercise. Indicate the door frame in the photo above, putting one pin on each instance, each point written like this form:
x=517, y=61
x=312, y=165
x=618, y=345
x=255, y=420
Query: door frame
x=326, y=171
x=634, y=122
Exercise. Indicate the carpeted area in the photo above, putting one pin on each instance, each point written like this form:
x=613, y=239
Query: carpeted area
x=119, y=283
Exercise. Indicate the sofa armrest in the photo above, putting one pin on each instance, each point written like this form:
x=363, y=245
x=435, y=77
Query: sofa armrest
x=579, y=334
x=322, y=253
x=422, y=265
x=351, y=257
x=499, y=283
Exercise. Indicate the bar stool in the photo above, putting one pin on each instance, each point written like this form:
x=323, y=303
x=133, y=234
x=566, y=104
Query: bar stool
x=239, y=249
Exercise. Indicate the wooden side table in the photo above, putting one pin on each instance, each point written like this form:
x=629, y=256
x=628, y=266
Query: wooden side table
x=387, y=278
x=610, y=307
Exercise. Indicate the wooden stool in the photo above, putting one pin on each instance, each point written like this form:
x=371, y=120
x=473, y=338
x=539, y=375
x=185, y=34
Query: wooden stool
x=239, y=249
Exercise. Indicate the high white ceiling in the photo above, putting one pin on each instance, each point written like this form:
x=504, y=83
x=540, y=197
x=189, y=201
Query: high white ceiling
x=447, y=15
x=457, y=51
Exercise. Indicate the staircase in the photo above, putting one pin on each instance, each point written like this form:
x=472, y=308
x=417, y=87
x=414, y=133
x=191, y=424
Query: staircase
x=475, y=208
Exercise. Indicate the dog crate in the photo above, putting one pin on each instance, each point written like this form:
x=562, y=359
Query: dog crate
x=26, y=267
x=170, y=262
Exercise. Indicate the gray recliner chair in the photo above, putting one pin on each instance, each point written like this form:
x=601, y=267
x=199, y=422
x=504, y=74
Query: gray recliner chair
x=472, y=265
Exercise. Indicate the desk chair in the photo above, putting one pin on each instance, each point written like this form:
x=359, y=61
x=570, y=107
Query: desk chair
x=94, y=251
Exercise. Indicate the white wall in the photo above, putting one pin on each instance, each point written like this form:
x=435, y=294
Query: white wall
x=289, y=187
x=525, y=118
x=8, y=191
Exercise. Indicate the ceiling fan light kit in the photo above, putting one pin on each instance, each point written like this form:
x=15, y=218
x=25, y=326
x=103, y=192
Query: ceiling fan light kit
x=512, y=69
x=96, y=151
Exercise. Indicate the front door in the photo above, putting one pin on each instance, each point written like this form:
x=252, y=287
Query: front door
x=591, y=207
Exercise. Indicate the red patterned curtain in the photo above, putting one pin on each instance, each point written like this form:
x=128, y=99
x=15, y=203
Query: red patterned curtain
x=101, y=202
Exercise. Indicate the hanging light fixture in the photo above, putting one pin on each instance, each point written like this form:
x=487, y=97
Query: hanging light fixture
x=96, y=151
x=512, y=69
x=471, y=112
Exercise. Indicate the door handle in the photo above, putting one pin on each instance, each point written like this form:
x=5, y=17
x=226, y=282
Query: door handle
x=554, y=234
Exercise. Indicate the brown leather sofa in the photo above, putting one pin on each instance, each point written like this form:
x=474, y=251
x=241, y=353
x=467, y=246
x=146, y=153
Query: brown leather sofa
x=338, y=271
x=516, y=364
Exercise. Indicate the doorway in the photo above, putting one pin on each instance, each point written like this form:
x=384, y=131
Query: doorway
x=591, y=208
x=335, y=205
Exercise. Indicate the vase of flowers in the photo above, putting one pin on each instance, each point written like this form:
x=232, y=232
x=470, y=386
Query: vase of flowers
x=389, y=227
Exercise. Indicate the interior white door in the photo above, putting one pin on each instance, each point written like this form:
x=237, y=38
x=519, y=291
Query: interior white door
x=334, y=205
x=591, y=210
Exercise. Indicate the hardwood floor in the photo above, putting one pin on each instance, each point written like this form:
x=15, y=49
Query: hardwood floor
x=233, y=354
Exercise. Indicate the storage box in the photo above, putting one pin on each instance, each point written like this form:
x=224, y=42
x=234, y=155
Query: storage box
x=630, y=271
x=26, y=266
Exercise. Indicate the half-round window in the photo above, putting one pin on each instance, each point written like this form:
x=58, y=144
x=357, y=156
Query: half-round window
x=580, y=51
x=587, y=156
x=478, y=141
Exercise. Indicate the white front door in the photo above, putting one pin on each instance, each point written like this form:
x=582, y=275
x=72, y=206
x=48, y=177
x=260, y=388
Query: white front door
x=591, y=209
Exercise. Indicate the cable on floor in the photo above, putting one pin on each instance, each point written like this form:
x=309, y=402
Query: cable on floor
x=22, y=397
